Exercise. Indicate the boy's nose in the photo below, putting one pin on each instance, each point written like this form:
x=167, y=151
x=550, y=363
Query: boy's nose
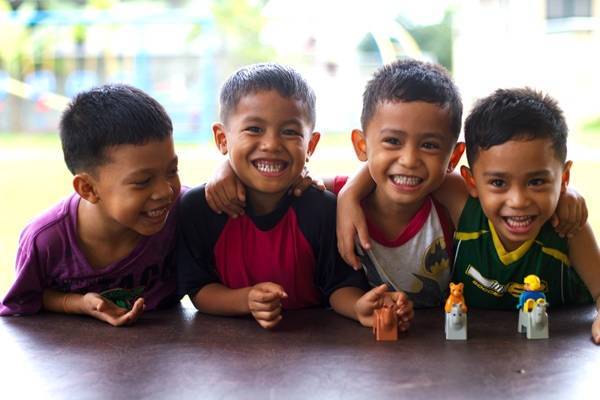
x=518, y=198
x=163, y=190
x=408, y=158
x=270, y=142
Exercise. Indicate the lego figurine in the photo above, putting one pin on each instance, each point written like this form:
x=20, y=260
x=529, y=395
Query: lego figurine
x=385, y=326
x=456, y=313
x=533, y=318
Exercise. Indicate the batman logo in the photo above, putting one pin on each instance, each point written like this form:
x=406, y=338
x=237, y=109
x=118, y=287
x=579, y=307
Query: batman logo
x=436, y=258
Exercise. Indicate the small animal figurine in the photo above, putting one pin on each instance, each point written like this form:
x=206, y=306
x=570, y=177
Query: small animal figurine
x=533, y=317
x=385, y=326
x=456, y=313
x=456, y=324
x=456, y=297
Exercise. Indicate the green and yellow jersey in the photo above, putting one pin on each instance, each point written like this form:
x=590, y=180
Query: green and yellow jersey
x=493, y=277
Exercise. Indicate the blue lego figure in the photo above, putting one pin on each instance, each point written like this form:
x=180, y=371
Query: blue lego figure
x=532, y=293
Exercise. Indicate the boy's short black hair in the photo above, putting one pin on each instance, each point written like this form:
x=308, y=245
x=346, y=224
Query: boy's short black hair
x=411, y=80
x=107, y=116
x=515, y=114
x=263, y=77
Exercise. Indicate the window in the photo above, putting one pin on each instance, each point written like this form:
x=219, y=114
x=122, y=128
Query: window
x=568, y=8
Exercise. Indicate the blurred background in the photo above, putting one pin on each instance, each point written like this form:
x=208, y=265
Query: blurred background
x=180, y=51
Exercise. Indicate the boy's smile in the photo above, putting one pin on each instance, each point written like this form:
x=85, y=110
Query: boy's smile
x=518, y=184
x=408, y=146
x=268, y=138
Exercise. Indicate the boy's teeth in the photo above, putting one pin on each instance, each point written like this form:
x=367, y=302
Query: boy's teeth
x=519, y=221
x=269, y=166
x=406, y=180
x=156, y=213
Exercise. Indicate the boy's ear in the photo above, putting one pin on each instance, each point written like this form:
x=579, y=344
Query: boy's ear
x=220, y=138
x=457, y=153
x=312, y=144
x=84, y=185
x=360, y=144
x=566, y=176
x=469, y=180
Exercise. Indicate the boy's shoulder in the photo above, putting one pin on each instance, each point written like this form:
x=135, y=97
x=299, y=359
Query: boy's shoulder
x=52, y=224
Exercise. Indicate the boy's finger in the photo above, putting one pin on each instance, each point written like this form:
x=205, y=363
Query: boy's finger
x=274, y=288
x=269, y=324
x=211, y=202
x=363, y=235
x=267, y=315
x=319, y=184
x=376, y=293
x=256, y=306
x=241, y=191
x=554, y=220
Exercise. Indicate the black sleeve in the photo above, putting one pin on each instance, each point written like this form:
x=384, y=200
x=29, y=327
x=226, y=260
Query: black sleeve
x=316, y=216
x=199, y=229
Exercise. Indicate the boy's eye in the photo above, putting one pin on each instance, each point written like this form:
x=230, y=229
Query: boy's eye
x=536, y=182
x=142, y=182
x=430, y=146
x=253, y=129
x=392, y=140
x=291, y=132
x=497, y=183
x=174, y=171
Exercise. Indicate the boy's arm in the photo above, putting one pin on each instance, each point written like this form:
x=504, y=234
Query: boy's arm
x=584, y=255
x=453, y=195
x=25, y=295
x=92, y=304
x=225, y=192
x=218, y=299
x=263, y=301
x=354, y=303
x=351, y=218
x=571, y=213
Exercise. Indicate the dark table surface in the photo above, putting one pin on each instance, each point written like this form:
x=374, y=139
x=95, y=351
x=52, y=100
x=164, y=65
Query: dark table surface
x=179, y=353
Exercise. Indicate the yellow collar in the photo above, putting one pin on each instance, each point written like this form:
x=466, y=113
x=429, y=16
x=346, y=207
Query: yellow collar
x=508, y=257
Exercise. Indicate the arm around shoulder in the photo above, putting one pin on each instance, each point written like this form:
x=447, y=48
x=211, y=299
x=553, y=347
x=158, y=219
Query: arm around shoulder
x=584, y=255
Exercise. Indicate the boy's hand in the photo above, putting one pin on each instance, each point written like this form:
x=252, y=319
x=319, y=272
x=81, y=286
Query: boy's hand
x=404, y=308
x=350, y=222
x=596, y=330
x=571, y=214
x=105, y=310
x=303, y=182
x=225, y=192
x=264, y=302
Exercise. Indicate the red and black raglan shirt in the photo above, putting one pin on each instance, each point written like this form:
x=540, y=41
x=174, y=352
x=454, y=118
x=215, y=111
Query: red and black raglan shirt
x=293, y=246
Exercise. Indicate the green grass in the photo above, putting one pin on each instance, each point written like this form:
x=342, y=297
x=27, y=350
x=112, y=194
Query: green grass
x=34, y=177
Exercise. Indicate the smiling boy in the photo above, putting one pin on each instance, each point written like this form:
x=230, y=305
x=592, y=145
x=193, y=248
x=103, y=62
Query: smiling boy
x=281, y=254
x=410, y=121
x=112, y=241
x=516, y=148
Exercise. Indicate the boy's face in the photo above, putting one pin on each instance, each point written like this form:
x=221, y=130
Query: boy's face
x=268, y=138
x=408, y=146
x=138, y=186
x=518, y=184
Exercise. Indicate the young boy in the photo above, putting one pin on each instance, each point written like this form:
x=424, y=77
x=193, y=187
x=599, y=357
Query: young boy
x=282, y=252
x=516, y=149
x=410, y=121
x=114, y=238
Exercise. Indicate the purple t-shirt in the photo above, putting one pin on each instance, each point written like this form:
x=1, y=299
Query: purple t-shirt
x=49, y=257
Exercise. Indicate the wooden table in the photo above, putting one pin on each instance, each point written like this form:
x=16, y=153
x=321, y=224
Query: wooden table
x=314, y=354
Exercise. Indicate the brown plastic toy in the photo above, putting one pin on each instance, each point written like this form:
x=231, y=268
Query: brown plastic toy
x=385, y=326
x=456, y=297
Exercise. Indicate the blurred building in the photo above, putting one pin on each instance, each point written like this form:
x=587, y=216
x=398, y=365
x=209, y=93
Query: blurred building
x=550, y=45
